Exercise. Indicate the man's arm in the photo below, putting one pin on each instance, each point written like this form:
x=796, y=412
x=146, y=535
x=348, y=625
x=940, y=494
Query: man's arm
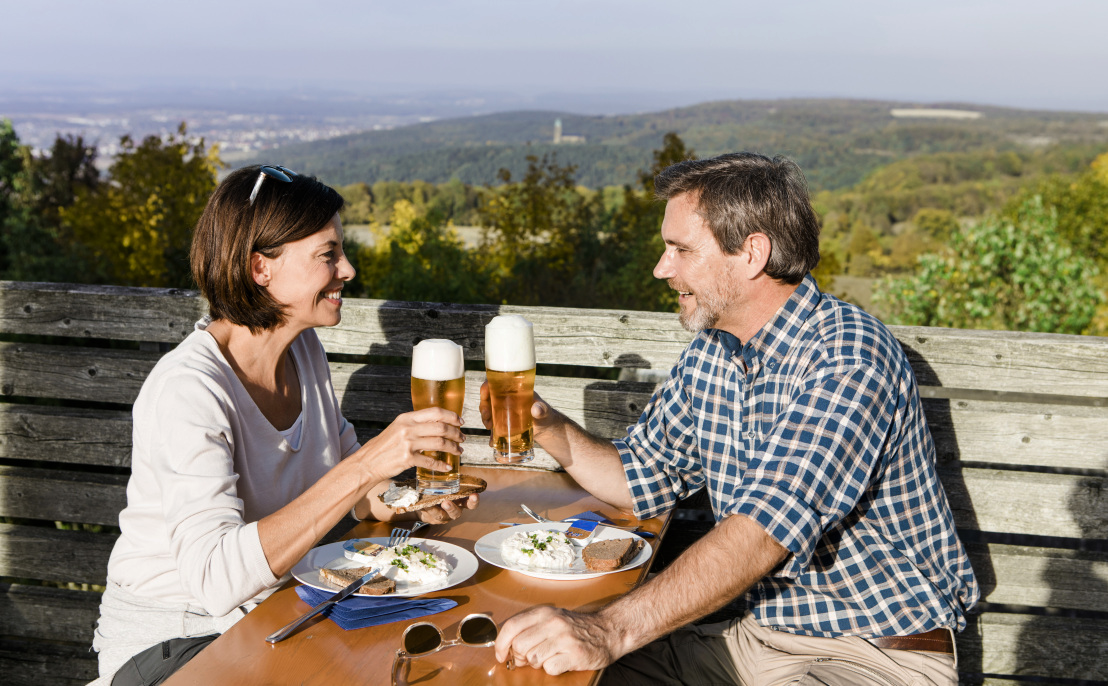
x=717, y=568
x=592, y=462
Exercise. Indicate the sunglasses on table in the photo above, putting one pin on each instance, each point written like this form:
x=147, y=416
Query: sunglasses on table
x=424, y=638
x=275, y=172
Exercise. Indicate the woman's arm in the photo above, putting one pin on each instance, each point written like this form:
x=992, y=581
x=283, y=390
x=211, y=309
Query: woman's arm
x=288, y=534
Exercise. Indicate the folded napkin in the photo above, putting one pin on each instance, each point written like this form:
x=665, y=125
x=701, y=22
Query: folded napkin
x=359, y=612
x=591, y=516
x=594, y=517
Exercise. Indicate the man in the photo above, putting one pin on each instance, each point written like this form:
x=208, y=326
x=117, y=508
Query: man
x=801, y=416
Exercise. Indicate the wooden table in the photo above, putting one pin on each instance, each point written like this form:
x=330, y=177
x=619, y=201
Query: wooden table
x=322, y=653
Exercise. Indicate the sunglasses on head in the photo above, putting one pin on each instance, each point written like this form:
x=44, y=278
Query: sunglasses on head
x=274, y=172
x=424, y=638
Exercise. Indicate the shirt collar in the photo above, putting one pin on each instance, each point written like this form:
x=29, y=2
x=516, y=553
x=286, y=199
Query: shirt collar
x=774, y=339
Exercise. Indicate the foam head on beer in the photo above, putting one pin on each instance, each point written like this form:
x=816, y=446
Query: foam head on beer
x=437, y=359
x=509, y=344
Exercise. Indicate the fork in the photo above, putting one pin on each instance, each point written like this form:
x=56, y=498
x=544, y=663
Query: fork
x=399, y=535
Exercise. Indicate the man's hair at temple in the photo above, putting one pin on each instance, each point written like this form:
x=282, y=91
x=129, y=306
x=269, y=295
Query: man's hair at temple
x=232, y=228
x=742, y=193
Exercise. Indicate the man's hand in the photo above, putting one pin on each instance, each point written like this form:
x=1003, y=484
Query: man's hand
x=557, y=641
x=541, y=412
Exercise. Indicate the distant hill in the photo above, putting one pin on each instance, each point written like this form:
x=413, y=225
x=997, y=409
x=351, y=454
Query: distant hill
x=836, y=142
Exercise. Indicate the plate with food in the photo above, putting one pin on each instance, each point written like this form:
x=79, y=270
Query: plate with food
x=416, y=567
x=543, y=550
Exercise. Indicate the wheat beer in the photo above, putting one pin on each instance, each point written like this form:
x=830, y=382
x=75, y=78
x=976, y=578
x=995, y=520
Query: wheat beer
x=438, y=380
x=510, y=370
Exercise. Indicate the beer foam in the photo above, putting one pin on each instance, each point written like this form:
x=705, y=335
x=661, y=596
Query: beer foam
x=509, y=344
x=437, y=359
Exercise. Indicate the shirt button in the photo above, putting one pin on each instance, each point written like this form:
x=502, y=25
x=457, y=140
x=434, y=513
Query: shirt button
x=751, y=434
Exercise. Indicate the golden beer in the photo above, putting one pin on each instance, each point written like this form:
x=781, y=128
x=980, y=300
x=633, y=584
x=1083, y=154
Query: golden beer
x=513, y=431
x=438, y=380
x=510, y=370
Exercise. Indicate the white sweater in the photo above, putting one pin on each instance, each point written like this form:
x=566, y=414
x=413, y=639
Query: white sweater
x=206, y=465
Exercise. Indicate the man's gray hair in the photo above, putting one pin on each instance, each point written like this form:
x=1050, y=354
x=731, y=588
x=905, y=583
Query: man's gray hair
x=742, y=193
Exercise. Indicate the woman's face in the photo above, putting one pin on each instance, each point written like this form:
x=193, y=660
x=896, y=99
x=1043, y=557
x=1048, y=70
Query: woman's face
x=308, y=276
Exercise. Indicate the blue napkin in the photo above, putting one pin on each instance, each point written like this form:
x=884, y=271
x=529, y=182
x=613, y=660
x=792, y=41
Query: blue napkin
x=358, y=612
x=594, y=517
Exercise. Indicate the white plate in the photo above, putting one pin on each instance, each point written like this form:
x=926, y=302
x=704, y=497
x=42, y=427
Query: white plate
x=462, y=566
x=488, y=549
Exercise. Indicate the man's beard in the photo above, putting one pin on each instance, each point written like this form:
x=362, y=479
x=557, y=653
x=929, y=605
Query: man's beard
x=709, y=307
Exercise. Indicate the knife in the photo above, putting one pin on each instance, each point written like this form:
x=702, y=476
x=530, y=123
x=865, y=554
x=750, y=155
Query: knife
x=282, y=634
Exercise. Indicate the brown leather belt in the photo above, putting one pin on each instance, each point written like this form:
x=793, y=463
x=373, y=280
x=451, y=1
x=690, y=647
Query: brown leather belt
x=934, y=641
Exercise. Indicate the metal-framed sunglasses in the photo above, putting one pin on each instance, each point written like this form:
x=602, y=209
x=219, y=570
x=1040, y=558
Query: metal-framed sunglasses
x=272, y=171
x=424, y=638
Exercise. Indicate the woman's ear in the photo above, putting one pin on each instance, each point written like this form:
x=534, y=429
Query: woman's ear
x=259, y=269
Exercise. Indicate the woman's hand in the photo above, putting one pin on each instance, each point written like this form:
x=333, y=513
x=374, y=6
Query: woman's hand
x=448, y=510
x=401, y=445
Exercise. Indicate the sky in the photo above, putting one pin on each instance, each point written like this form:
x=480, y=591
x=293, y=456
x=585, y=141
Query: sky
x=1023, y=53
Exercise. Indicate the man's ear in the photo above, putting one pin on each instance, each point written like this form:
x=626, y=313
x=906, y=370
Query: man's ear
x=259, y=269
x=756, y=250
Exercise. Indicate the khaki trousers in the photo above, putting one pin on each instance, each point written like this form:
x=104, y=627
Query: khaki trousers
x=742, y=652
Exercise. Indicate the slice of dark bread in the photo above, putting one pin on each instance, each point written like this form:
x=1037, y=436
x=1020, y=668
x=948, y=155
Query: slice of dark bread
x=467, y=487
x=341, y=578
x=604, y=556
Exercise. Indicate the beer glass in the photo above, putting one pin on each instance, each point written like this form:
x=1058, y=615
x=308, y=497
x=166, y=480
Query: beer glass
x=438, y=380
x=510, y=369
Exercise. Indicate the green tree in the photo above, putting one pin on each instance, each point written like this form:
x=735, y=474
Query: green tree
x=139, y=226
x=635, y=242
x=541, y=238
x=1017, y=275
x=417, y=259
x=34, y=244
x=357, y=203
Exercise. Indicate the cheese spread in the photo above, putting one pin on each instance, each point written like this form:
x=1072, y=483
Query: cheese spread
x=411, y=565
x=538, y=550
x=400, y=496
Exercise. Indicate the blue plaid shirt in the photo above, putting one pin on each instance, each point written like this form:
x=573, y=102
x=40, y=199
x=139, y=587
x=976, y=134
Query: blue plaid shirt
x=814, y=430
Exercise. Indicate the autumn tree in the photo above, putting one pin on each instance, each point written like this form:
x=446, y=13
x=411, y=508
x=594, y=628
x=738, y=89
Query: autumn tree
x=139, y=225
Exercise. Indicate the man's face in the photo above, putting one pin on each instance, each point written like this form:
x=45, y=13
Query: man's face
x=694, y=266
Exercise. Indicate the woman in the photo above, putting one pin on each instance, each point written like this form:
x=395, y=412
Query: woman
x=241, y=457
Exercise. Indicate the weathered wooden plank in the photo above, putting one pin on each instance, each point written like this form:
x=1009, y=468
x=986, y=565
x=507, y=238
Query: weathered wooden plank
x=1062, y=436
x=1027, y=502
x=56, y=495
x=61, y=434
x=33, y=552
x=1028, y=645
x=51, y=371
x=1041, y=577
x=1008, y=361
x=990, y=360
x=48, y=613
x=32, y=663
x=85, y=311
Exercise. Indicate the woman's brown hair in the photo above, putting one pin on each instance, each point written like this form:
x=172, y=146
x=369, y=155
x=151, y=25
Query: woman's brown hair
x=232, y=229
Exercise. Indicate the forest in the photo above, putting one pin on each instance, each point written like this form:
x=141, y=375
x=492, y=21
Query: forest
x=944, y=224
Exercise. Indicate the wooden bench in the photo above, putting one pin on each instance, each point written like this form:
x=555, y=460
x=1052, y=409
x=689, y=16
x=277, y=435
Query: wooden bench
x=1019, y=421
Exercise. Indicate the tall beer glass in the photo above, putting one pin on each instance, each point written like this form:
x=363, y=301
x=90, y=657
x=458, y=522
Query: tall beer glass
x=510, y=369
x=438, y=380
